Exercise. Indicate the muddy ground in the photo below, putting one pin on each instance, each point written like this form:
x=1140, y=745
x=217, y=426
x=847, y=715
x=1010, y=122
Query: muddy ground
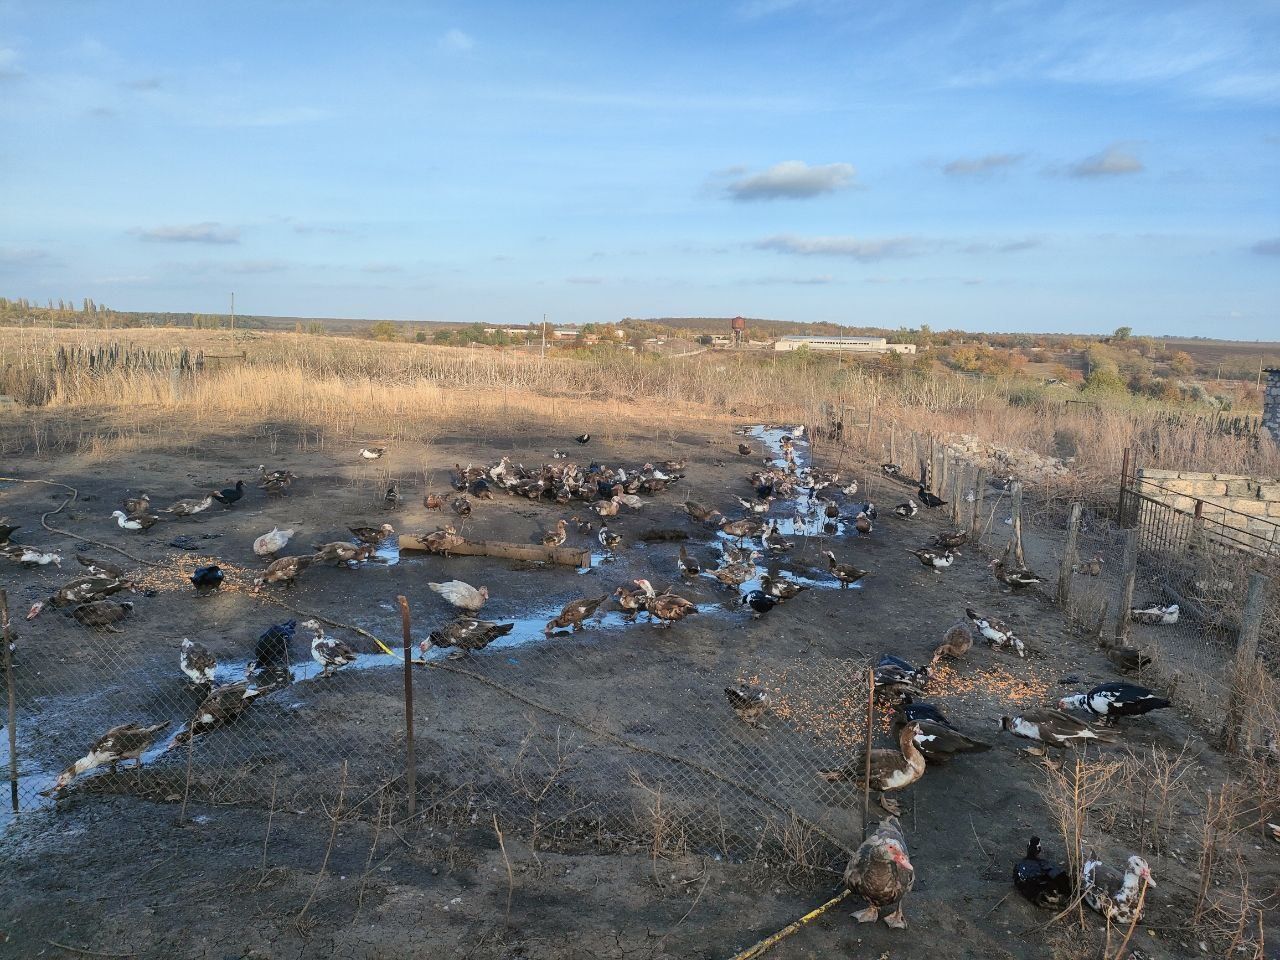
x=527, y=754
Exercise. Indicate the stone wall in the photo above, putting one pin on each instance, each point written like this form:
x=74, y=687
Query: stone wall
x=1271, y=405
x=1244, y=503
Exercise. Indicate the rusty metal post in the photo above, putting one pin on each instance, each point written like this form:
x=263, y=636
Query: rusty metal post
x=1069, y=555
x=1242, y=699
x=1128, y=579
x=410, y=761
x=6, y=639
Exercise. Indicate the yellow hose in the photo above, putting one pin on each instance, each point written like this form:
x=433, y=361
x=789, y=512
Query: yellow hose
x=773, y=939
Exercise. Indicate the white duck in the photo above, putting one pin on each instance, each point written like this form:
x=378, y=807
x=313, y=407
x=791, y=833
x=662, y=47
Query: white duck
x=269, y=544
x=135, y=524
x=1154, y=614
x=461, y=594
x=31, y=557
x=197, y=663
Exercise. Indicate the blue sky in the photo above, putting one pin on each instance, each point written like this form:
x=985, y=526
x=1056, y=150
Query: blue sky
x=1070, y=166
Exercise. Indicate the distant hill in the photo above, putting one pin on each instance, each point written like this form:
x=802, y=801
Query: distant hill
x=756, y=326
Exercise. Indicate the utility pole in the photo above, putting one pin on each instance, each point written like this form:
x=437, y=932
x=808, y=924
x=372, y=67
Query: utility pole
x=233, y=311
x=544, y=336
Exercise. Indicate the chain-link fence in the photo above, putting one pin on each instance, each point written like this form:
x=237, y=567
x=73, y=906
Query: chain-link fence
x=620, y=735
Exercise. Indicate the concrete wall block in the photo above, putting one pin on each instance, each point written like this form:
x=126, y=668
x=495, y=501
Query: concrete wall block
x=1269, y=492
x=1203, y=488
x=1157, y=475
x=1252, y=508
x=1242, y=488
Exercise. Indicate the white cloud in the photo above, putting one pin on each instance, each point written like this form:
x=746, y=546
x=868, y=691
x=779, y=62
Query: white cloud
x=981, y=166
x=852, y=247
x=793, y=180
x=457, y=41
x=1115, y=161
x=207, y=232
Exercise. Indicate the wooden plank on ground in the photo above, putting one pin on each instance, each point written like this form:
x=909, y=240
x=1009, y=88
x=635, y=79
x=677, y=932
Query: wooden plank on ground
x=569, y=556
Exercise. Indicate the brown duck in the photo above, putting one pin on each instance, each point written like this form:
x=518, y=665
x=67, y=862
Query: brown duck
x=284, y=570
x=442, y=541
x=665, y=607
x=956, y=642
x=891, y=770
x=846, y=573
x=574, y=612
x=129, y=741
x=881, y=872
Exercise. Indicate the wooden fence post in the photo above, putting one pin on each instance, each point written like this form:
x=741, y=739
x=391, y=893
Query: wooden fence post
x=1128, y=578
x=1017, y=524
x=410, y=760
x=957, y=482
x=893, y=443
x=1069, y=555
x=1242, y=699
x=979, y=494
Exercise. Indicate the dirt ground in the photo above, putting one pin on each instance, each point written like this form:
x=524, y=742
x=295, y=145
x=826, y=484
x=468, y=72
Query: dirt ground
x=254, y=868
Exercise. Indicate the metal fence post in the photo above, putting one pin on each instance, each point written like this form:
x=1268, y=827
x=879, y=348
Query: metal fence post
x=1241, y=700
x=1069, y=555
x=6, y=638
x=410, y=762
x=1128, y=579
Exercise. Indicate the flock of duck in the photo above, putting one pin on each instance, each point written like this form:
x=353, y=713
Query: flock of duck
x=881, y=869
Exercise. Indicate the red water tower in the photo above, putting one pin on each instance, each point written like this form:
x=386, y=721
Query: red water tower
x=738, y=328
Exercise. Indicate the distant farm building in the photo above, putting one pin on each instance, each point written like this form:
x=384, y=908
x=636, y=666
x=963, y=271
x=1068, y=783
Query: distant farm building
x=843, y=344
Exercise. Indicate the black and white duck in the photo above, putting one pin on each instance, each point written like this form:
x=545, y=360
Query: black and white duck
x=373, y=535
x=1044, y=883
x=929, y=498
x=891, y=770
x=79, y=590
x=938, y=741
x=100, y=568
x=222, y=706
x=891, y=470
x=332, y=654
x=935, y=560
x=285, y=570
x=128, y=741
x=608, y=539
x=102, y=614
x=913, y=710
x=906, y=510
x=461, y=506
x=781, y=588
x=759, y=602
x=1117, y=896
x=574, y=613
x=271, y=651
x=197, y=663
x=1002, y=481
x=372, y=453
x=207, y=579
x=997, y=633
x=31, y=556
x=846, y=573
x=135, y=523
x=466, y=634
x=582, y=438
x=7, y=530
x=862, y=523
x=391, y=499
x=744, y=450
x=897, y=676
x=1054, y=728
x=756, y=507
x=1013, y=576
x=880, y=871
x=189, y=507
x=749, y=703
x=1110, y=701
x=1155, y=614
x=229, y=495
x=774, y=541
x=689, y=566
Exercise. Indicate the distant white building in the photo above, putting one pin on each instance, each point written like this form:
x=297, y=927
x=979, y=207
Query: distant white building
x=846, y=344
